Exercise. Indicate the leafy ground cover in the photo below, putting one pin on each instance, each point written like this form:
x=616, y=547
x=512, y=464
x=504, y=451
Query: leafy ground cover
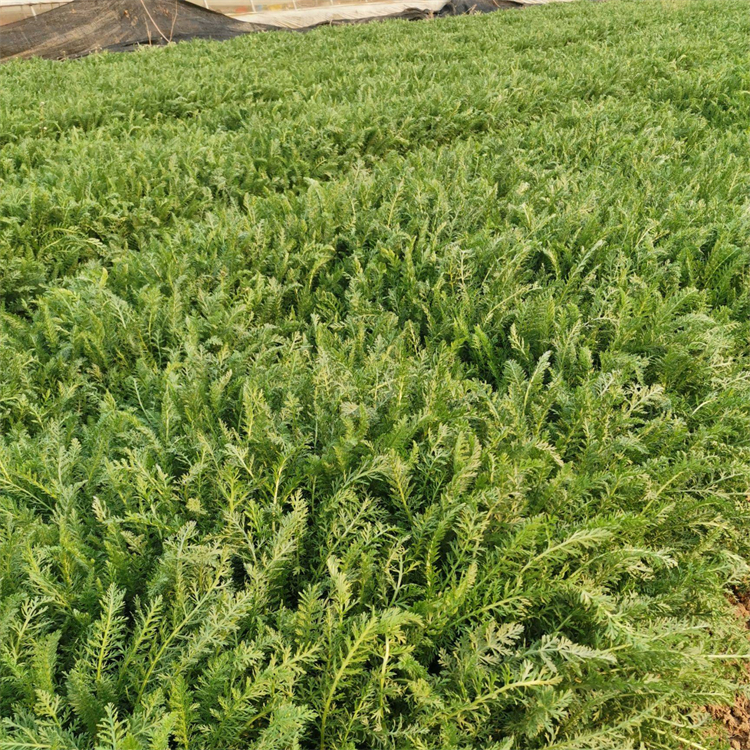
x=378, y=387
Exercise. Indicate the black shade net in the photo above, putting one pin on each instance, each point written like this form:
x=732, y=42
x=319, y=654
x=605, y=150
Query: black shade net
x=85, y=26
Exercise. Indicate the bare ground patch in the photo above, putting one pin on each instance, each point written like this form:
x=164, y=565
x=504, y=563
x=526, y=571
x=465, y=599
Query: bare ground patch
x=736, y=718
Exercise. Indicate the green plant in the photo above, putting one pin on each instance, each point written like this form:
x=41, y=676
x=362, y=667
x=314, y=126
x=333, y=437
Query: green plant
x=382, y=386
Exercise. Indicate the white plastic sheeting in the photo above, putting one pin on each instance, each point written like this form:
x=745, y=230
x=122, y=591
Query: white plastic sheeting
x=17, y=10
x=305, y=17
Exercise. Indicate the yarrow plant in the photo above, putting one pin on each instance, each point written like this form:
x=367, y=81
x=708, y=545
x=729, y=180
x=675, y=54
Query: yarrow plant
x=379, y=387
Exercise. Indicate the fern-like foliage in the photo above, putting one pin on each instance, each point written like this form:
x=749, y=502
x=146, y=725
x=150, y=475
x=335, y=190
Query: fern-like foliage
x=382, y=388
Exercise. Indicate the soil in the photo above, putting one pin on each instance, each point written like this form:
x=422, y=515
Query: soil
x=741, y=603
x=736, y=721
x=736, y=718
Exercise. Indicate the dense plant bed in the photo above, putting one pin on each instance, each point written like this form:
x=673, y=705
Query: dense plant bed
x=379, y=387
